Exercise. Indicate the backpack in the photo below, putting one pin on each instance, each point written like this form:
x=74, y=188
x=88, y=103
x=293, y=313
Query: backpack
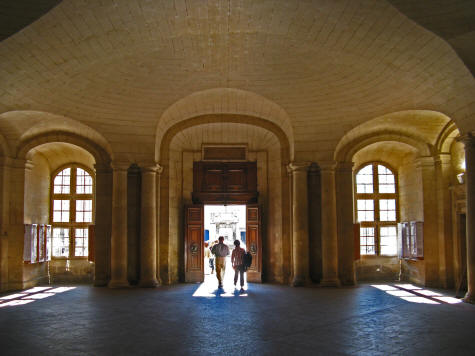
x=247, y=260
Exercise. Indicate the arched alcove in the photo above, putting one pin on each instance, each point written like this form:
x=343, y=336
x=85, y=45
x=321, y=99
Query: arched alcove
x=44, y=161
x=265, y=144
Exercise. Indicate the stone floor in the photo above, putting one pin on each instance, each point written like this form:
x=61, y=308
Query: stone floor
x=264, y=320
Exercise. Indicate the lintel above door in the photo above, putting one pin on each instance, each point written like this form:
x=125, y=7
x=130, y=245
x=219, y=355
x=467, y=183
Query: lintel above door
x=224, y=183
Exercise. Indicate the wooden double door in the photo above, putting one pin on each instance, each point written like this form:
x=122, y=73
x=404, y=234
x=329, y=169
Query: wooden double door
x=194, y=242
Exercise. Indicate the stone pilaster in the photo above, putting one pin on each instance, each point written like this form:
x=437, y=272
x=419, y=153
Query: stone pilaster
x=427, y=168
x=148, y=241
x=315, y=222
x=300, y=243
x=344, y=204
x=15, y=228
x=119, y=227
x=469, y=142
x=103, y=223
x=4, y=213
x=443, y=167
x=329, y=226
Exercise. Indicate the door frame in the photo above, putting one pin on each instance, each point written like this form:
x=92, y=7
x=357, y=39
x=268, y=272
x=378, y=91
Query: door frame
x=194, y=241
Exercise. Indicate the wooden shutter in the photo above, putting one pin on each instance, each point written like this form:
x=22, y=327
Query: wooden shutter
x=253, y=242
x=194, y=236
x=357, y=242
x=91, y=237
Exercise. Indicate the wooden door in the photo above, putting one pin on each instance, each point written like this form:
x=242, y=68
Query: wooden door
x=253, y=242
x=194, y=235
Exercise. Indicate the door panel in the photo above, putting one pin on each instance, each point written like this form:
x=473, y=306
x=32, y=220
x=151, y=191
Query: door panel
x=225, y=182
x=194, y=230
x=253, y=242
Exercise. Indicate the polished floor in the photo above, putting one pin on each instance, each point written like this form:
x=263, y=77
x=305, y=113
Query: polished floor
x=193, y=319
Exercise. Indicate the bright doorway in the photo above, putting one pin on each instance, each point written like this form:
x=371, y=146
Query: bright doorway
x=228, y=221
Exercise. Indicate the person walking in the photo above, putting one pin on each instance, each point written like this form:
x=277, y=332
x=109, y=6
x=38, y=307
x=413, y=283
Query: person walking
x=220, y=250
x=209, y=259
x=237, y=263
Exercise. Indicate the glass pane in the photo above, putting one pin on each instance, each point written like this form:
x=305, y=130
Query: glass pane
x=364, y=180
x=81, y=242
x=386, y=180
x=60, y=242
x=388, y=237
x=387, y=210
x=83, y=182
x=367, y=241
x=60, y=210
x=61, y=182
x=365, y=209
x=83, y=210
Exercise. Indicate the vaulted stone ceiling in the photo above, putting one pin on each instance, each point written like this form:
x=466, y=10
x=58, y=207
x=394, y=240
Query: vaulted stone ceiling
x=452, y=20
x=116, y=66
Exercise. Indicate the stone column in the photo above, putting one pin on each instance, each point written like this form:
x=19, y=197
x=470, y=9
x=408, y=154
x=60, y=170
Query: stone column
x=426, y=166
x=102, y=224
x=315, y=222
x=443, y=171
x=148, y=241
x=469, y=142
x=4, y=213
x=157, y=220
x=16, y=220
x=344, y=204
x=119, y=227
x=329, y=227
x=300, y=243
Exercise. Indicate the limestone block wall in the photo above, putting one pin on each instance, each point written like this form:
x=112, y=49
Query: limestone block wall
x=411, y=209
x=37, y=191
x=410, y=192
x=4, y=201
x=36, y=210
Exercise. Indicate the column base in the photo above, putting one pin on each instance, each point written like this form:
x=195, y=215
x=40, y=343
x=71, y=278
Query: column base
x=118, y=284
x=299, y=282
x=330, y=282
x=149, y=283
x=100, y=283
x=469, y=298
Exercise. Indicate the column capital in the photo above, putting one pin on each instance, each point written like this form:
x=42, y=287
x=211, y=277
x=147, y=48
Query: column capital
x=19, y=163
x=314, y=169
x=29, y=165
x=425, y=161
x=298, y=166
x=120, y=165
x=326, y=166
x=5, y=161
x=102, y=168
x=468, y=140
x=443, y=158
x=149, y=166
x=345, y=166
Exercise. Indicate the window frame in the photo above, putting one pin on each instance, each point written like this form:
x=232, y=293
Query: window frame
x=376, y=197
x=73, y=196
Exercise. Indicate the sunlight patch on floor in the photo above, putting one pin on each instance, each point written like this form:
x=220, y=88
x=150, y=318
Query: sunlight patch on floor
x=415, y=294
x=209, y=288
x=30, y=295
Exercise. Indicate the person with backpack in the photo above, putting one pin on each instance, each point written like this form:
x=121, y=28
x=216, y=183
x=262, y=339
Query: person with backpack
x=238, y=264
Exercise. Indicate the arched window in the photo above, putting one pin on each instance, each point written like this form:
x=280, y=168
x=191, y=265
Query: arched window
x=377, y=209
x=72, y=211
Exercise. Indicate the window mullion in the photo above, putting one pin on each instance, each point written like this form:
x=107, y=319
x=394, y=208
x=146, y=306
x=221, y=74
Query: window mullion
x=376, y=209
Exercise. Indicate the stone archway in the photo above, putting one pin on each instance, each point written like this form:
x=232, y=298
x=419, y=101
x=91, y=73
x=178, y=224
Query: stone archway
x=182, y=145
x=103, y=195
